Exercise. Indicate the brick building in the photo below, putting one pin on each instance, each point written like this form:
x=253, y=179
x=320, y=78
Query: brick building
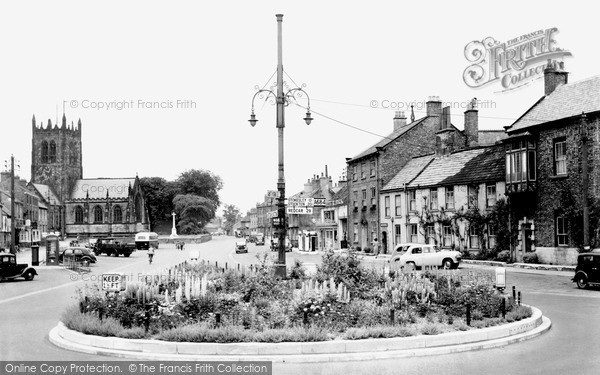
x=546, y=174
x=373, y=168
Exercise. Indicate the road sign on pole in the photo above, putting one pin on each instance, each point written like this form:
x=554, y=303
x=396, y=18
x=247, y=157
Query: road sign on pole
x=299, y=210
x=306, y=202
x=271, y=214
x=319, y=202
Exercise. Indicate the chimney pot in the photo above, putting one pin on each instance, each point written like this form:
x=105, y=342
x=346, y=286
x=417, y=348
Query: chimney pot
x=434, y=106
x=554, y=78
x=399, y=120
x=472, y=127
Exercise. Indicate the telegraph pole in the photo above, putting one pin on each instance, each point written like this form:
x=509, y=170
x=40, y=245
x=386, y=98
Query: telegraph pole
x=13, y=232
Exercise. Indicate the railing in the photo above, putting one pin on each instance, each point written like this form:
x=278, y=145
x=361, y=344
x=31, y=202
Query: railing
x=76, y=265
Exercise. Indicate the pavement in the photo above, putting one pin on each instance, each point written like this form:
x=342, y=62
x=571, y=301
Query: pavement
x=520, y=267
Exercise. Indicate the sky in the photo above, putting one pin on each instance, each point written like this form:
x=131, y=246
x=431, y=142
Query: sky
x=164, y=87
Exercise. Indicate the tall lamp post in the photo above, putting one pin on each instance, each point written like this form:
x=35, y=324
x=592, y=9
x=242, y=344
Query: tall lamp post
x=282, y=100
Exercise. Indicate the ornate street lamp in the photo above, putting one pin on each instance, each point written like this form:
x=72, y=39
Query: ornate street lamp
x=282, y=100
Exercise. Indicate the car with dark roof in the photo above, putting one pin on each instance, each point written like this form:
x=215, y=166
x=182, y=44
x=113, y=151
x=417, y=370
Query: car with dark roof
x=587, y=272
x=10, y=269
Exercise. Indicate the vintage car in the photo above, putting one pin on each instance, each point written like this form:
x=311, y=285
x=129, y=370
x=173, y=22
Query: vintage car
x=9, y=269
x=414, y=255
x=77, y=254
x=260, y=240
x=275, y=244
x=241, y=247
x=587, y=271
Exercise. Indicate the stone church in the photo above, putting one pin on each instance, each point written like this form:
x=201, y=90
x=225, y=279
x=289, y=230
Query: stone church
x=87, y=207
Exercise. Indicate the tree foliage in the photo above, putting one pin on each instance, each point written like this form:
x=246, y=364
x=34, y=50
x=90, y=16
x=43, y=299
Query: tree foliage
x=194, y=196
x=159, y=194
x=231, y=214
x=194, y=212
x=202, y=183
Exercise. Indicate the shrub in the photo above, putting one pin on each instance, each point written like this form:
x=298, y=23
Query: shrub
x=518, y=313
x=298, y=271
x=367, y=250
x=530, y=258
x=503, y=256
x=90, y=323
x=229, y=334
x=430, y=329
x=377, y=332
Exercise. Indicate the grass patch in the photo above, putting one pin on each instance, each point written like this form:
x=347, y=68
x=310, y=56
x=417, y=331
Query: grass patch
x=377, y=332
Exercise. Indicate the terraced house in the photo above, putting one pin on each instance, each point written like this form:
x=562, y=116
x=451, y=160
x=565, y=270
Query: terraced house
x=372, y=169
x=553, y=169
x=428, y=201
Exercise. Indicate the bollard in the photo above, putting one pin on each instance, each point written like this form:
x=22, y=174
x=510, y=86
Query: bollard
x=503, y=308
x=392, y=316
x=519, y=298
x=514, y=293
x=238, y=266
x=100, y=312
x=218, y=319
x=225, y=265
x=305, y=318
x=216, y=264
x=468, y=314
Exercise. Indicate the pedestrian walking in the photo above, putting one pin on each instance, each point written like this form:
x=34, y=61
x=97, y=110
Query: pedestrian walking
x=150, y=254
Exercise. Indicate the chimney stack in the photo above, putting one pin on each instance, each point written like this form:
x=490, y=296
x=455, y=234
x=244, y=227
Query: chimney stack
x=472, y=124
x=434, y=106
x=554, y=76
x=399, y=120
x=445, y=120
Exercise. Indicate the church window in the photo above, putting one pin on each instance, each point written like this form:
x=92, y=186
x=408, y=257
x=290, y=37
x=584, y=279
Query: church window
x=117, y=214
x=78, y=215
x=52, y=152
x=44, y=152
x=98, y=214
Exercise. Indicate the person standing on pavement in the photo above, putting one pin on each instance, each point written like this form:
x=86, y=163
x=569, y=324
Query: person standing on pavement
x=375, y=247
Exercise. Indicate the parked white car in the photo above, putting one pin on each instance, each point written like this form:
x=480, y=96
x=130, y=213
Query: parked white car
x=414, y=255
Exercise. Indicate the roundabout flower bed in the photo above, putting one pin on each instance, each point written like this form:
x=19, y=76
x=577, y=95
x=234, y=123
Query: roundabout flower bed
x=344, y=300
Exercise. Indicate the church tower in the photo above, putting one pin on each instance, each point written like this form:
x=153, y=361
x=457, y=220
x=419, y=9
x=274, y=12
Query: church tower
x=56, y=156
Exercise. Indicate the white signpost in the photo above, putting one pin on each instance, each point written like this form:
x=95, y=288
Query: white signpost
x=297, y=210
x=272, y=194
x=306, y=202
x=271, y=214
x=319, y=202
x=113, y=282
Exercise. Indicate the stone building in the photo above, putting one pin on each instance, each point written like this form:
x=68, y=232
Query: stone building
x=78, y=206
x=105, y=206
x=547, y=176
x=420, y=201
x=373, y=168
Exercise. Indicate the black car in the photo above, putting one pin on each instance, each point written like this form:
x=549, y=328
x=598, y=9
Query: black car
x=10, y=269
x=587, y=271
x=77, y=254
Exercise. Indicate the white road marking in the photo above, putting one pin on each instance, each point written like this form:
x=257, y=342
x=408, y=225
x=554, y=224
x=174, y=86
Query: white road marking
x=56, y=287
